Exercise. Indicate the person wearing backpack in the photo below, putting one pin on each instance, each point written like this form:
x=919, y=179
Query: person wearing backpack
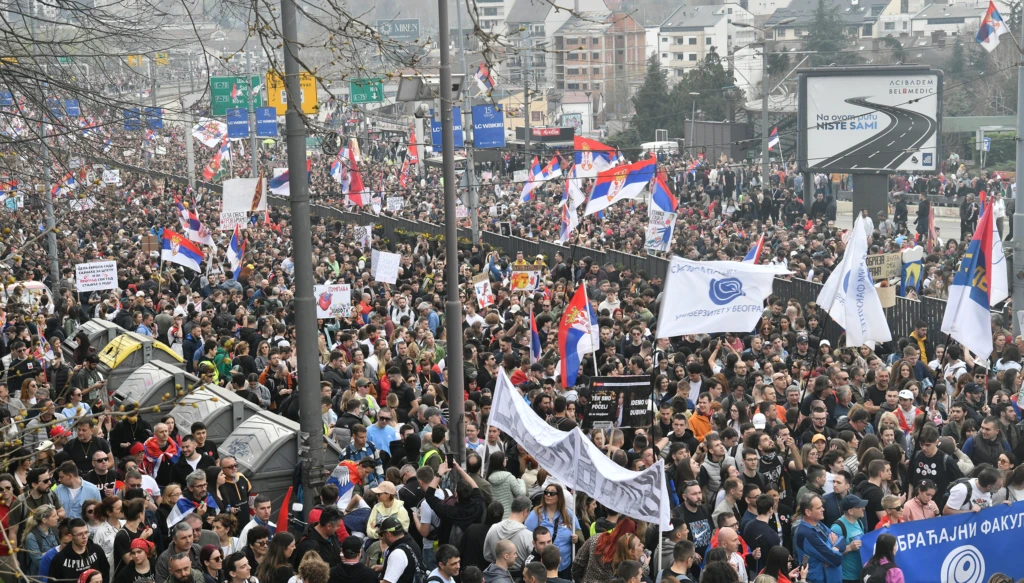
x=973, y=494
x=851, y=527
x=823, y=550
x=881, y=567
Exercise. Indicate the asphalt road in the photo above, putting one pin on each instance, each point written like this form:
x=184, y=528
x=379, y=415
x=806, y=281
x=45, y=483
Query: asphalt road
x=907, y=131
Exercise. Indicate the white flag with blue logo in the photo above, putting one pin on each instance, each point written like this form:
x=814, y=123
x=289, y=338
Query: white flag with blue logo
x=705, y=297
x=849, y=295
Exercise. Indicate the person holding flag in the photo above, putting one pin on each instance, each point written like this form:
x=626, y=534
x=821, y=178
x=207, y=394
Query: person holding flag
x=661, y=197
x=535, y=347
x=592, y=157
x=620, y=183
x=176, y=248
x=536, y=176
x=236, y=251
x=754, y=255
x=968, y=318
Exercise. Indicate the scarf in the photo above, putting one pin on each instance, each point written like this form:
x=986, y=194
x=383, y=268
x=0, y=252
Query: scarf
x=154, y=456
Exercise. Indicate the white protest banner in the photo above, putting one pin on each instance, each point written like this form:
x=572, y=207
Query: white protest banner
x=363, y=235
x=493, y=210
x=396, y=203
x=112, y=176
x=577, y=463
x=85, y=204
x=128, y=153
x=461, y=211
x=333, y=300
x=482, y=288
x=160, y=150
x=660, y=229
x=721, y=296
x=242, y=196
x=524, y=279
x=13, y=202
x=75, y=163
x=384, y=266
x=376, y=204
x=210, y=132
x=96, y=276
x=520, y=176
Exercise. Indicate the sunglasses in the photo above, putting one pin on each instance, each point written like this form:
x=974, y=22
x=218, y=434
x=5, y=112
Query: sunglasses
x=229, y=467
x=551, y=493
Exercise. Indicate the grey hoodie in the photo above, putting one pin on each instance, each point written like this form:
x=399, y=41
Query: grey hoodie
x=495, y=574
x=516, y=533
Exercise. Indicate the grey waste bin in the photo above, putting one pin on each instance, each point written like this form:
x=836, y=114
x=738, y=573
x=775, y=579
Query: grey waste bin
x=220, y=409
x=126, y=353
x=155, y=384
x=266, y=447
x=100, y=333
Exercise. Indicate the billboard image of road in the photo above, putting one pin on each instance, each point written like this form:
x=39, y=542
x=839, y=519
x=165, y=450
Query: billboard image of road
x=884, y=121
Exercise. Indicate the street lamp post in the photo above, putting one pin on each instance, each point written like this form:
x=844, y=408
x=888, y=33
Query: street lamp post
x=693, y=122
x=765, y=182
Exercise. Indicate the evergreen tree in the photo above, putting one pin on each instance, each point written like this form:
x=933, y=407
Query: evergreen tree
x=830, y=37
x=651, y=102
x=709, y=78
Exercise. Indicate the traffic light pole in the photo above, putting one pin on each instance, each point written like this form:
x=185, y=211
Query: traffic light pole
x=467, y=130
x=253, y=146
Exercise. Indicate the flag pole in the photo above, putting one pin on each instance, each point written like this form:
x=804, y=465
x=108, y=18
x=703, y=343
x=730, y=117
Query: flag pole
x=586, y=300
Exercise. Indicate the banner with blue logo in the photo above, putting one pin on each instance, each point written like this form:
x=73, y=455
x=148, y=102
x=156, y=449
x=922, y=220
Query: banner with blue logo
x=435, y=130
x=6, y=98
x=71, y=106
x=488, y=126
x=960, y=548
x=238, y=123
x=55, y=106
x=154, y=118
x=132, y=120
x=266, y=122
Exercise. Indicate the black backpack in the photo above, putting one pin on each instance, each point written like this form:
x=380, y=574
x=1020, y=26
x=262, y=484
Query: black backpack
x=876, y=573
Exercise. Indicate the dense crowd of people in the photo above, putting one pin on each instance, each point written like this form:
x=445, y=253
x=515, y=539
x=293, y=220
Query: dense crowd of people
x=781, y=450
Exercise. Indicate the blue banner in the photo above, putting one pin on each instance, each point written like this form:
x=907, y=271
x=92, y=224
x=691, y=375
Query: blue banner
x=488, y=126
x=154, y=118
x=55, y=106
x=238, y=123
x=266, y=122
x=132, y=120
x=960, y=548
x=6, y=98
x=435, y=130
x=72, y=107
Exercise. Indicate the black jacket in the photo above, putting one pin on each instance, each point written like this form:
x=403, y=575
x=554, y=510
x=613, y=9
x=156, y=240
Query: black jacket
x=182, y=468
x=130, y=433
x=67, y=565
x=311, y=540
x=462, y=514
x=354, y=573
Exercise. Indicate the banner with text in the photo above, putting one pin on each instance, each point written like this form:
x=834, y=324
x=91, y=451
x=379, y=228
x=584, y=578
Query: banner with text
x=488, y=126
x=384, y=266
x=961, y=548
x=623, y=402
x=242, y=196
x=96, y=276
x=333, y=300
x=435, y=130
x=577, y=463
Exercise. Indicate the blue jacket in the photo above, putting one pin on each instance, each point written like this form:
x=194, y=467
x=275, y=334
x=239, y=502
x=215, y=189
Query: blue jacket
x=824, y=562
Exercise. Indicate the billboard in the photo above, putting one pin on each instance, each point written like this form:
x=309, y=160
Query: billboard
x=870, y=120
x=266, y=122
x=435, y=130
x=238, y=123
x=405, y=29
x=488, y=126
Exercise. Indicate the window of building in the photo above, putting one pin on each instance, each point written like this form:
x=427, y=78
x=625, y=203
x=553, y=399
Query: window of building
x=586, y=86
x=663, y=55
x=569, y=86
x=595, y=40
x=664, y=39
x=573, y=71
x=597, y=70
x=538, y=116
x=571, y=57
x=890, y=26
x=597, y=86
x=692, y=40
x=679, y=56
x=595, y=56
x=571, y=41
x=490, y=11
x=866, y=31
x=691, y=56
x=905, y=25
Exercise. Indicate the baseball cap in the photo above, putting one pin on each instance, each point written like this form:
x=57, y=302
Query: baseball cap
x=973, y=388
x=818, y=437
x=351, y=547
x=58, y=431
x=362, y=382
x=905, y=394
x=385, y=488
x=390, y=524
x=47, y=444
x=801, y=338
x=824, y=341
x=759, y=421
x=852, y=501
x=140, y=294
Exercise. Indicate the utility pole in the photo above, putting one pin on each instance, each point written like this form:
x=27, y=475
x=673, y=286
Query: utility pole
x=190, y=153
x=526, y=106
x=453, y=307
x=311, y=439
x=765, y=181
x=253, y=152
x=467, y=131
x=1017, y=288
x=152, y=84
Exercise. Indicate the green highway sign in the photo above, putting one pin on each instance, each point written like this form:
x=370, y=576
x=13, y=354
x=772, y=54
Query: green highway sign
x=366, y=91
x=65, y=60
x=231, y=92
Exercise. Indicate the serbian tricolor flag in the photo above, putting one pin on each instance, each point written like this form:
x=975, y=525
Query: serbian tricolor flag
x=577, y=335
x=236, y=251
x=176, y=248
x=535, y=177
x=992, y=27
x=553, y=169
x=184, y=507
x=773, y=139
x=534, y=339
x=592, y=157
x=484, y=79
x=754, y=255
x=968, y=318
x=620, y=183
x=661, y=197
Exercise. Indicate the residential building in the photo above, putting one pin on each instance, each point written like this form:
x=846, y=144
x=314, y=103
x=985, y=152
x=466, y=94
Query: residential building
x=491, y=15
x=530, y=26
x=602, y=52
x=859, y=16
x=689, y=33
